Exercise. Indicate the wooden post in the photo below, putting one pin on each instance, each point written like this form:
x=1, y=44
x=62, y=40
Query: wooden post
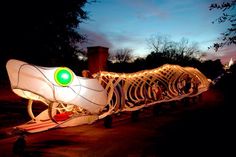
x=97, y=59
x=108, y=121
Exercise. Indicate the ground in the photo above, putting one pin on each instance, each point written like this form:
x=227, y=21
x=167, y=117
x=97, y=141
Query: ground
x=199, y=128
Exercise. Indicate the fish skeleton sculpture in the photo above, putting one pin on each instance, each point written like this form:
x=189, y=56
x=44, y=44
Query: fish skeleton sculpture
x=73, y=100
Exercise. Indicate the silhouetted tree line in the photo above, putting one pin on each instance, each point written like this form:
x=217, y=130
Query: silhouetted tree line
x=165, y=51
x=210, y=68
x=227, y=85
x=41, y=32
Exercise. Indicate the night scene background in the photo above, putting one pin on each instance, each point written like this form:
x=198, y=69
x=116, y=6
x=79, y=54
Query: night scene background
x=140, y=34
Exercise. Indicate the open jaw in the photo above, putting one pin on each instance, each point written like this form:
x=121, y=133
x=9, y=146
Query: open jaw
x=56, y=114
x=69, y=99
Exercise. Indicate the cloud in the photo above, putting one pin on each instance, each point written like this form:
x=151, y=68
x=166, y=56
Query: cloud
x=224, y=54
x=113, y=40
x=146, y=9
x=94, y=39
x=126, y=40
x=124, y=37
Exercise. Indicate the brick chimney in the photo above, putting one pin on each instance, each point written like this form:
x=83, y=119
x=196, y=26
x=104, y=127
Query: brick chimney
x=97, y=58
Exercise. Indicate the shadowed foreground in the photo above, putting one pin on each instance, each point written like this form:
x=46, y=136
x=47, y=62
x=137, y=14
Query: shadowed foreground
x=202, y=128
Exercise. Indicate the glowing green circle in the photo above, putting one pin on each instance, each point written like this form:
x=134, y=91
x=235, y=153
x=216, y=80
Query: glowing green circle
x=63, y=76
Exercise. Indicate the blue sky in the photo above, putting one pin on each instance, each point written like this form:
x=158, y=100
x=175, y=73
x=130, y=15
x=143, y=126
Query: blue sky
x=129, y=23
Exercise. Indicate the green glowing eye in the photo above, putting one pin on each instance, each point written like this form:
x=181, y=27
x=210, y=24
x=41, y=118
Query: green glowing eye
x=63, y=76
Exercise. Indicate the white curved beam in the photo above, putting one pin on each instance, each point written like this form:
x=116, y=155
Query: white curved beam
x=74, y=100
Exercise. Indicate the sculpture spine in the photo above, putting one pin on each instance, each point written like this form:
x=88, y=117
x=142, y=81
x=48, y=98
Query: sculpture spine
x=72, y=100
x=133, y=91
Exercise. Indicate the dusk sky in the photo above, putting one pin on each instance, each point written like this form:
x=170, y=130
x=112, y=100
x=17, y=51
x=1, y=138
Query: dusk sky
x=129, y=23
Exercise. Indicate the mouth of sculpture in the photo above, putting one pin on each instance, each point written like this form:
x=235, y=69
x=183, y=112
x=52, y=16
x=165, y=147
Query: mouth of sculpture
x=59, y=112
x=52, y=110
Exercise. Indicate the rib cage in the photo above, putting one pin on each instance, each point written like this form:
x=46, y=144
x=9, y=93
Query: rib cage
x=86, y=100
x=133, y=91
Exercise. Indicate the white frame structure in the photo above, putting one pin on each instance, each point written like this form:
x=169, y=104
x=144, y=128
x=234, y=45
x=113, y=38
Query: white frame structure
x=85, y=100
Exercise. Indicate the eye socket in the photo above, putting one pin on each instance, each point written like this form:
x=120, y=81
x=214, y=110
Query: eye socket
x=63, y=76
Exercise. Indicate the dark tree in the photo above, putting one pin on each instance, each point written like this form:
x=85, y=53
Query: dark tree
x=228, y=16
x=165, y=50
x=212, y=69
x=41, y=32
x=122, y=55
